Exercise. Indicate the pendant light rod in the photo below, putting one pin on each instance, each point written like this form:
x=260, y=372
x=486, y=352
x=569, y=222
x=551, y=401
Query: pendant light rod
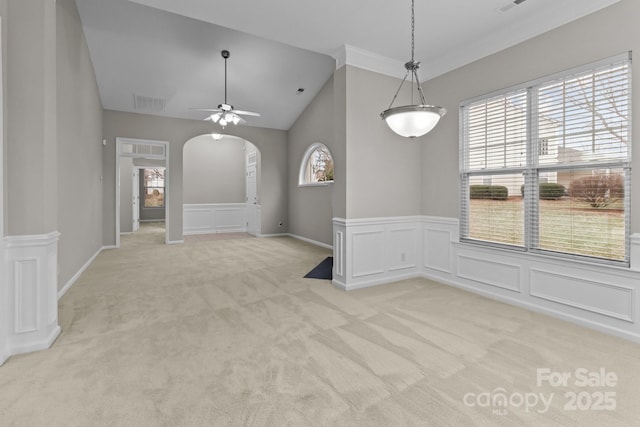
x=412, y=120
x=411, y=66
x=225, y=54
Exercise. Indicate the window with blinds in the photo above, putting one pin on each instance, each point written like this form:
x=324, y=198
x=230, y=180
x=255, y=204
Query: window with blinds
x=546, y=166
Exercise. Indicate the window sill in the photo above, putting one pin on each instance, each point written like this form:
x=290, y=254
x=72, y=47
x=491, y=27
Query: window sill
x=316, y=184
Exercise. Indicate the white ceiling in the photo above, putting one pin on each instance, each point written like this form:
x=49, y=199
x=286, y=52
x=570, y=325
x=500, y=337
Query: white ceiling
x=170, y=50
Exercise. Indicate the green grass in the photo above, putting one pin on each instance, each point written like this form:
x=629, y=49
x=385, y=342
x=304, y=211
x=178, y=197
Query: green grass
x=566, y=225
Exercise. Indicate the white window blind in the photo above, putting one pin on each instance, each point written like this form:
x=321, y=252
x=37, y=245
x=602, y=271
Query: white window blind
x=546, y=166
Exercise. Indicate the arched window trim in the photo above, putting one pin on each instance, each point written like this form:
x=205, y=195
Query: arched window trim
x=302, y=179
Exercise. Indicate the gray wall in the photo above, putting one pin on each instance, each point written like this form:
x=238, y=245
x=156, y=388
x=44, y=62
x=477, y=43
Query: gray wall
x=311, y=208
x=339, y=148
x=271, y=143
x=214, y=171
x=31, y=113
x=79, y=147
x=4, y=291
x=53, y=128
x=600, y=35
x=384, y=169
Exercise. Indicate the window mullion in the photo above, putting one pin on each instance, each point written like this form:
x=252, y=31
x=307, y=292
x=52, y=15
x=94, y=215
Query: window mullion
x=530, y=175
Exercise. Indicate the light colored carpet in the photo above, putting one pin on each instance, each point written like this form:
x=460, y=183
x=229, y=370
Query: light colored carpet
x=228, y=333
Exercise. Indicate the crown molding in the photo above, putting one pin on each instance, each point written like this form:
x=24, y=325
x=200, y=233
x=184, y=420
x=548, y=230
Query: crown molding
x=354, y=56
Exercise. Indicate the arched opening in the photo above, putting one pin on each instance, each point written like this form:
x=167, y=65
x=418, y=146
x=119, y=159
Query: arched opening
x=221, y=186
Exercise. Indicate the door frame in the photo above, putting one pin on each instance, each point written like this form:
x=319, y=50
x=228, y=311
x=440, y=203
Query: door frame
x=135, y=191
x=251, y=205
x=120, y=142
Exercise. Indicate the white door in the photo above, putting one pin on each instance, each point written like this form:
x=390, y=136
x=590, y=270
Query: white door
x=136, y=199
x=252, y=195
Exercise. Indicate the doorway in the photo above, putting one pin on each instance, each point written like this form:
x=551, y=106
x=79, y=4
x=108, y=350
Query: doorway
x=132, y=154
x=221, y=186
x=253, y=209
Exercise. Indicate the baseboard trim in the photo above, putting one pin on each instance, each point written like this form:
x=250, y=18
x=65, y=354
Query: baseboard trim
x=175, y=242
x=274, y=235
x=313, y=242
x=109, y=247
x=379, y=281
x=37, y=346
x=76, y=276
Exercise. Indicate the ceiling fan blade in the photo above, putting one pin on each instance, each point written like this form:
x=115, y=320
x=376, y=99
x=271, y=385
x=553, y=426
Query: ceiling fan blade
x=247, y=113
x=205, y=109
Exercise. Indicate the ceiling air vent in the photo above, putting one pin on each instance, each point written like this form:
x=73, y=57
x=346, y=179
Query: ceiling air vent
x=149, y=103
x=510, y=5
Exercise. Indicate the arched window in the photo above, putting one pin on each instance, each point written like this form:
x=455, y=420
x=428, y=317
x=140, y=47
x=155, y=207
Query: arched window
x=317, y=166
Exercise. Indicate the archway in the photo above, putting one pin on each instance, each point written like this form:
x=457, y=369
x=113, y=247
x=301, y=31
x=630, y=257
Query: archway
x=220, y=185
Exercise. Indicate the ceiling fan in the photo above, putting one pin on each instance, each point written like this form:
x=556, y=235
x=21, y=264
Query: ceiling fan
x=225, y=113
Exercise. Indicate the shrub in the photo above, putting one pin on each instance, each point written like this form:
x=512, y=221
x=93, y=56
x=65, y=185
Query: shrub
x=493, y=192
x=480, y=191
x=548, y=191
x=499, y=192
x=551, y=191
x=599, y=190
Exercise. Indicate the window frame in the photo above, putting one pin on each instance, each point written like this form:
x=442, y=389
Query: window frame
x=532, y=169
x=302, y=180
x=145, y=187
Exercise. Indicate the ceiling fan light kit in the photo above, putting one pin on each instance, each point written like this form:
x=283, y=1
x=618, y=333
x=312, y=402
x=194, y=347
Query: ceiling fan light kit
x=411, y=121
x=225, y=113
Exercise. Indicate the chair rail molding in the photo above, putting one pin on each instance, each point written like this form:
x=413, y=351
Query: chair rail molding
x=375, y=251
x=31, y=266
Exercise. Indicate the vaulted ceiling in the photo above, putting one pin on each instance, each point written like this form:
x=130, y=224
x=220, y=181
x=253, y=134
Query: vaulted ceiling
x=163, y=56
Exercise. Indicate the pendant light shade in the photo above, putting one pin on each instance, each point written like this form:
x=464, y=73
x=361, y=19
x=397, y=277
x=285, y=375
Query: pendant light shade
x=412, y=121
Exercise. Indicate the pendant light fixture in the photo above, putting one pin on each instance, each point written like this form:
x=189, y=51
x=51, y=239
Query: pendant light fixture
x=412, y=120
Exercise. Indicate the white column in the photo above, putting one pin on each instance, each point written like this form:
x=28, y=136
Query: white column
x=31, y=292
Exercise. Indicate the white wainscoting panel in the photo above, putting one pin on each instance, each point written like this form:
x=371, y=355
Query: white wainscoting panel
x=26, y=290
x=31, y=294
x=489, y=272
x=403, y=248
x=340, y=255
x=598, y=297
x=373, y=251
x=368, y=252
x=437, y=236
x=214, y=218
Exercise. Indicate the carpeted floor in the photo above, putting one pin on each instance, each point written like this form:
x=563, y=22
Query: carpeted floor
x=228, y=333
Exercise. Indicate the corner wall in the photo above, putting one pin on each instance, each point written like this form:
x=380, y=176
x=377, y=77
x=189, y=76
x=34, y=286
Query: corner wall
x=311, y=207
x=80, y=149
x=384, y=168
x=52, y=117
